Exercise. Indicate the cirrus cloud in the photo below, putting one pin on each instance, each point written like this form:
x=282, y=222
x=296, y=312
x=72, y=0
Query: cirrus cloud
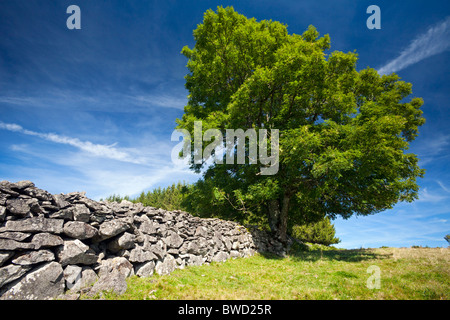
x=434, y=41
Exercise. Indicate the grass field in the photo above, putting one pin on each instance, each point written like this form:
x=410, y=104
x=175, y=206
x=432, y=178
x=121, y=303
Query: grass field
x=404, y=273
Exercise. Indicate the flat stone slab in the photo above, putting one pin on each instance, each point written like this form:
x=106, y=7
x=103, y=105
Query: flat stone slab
x=43, y=283
x=35, y=224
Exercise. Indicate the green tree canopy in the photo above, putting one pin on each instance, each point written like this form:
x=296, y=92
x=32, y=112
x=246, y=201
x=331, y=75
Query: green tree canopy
x=344, y=133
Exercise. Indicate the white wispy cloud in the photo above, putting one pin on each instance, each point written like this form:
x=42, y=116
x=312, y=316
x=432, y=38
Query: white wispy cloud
x=98, y=150
x=434, y=41
x=443, y=186
x=430, y=196
x=432, y=148
x=100, y=170
x=110, y=101
x=65, y=172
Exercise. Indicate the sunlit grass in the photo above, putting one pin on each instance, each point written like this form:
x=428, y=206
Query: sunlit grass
x=406, y=273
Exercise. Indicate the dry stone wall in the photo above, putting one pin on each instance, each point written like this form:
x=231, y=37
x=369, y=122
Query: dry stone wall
x=55, y=244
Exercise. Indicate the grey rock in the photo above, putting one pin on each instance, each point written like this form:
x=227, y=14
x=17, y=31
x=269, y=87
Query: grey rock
x=88, y=278
x=189, y=247
x=117, y=208
x=91, y=204
x=13, y=235
x=126, y=204
x=12, y=272
x=221, y=256
x=95, y=219
x=158, y=248
x=167, y=266
x=72, y=274
x=42, y=283
x=112, y=282
x=162, y=230
x=137, y=208
x=44, y=240
x=147, y=226
x=79, y=230
x=18, y=207
x=34, y=257
x=227, y=243
x=140, y=237
x=124, y=241
x=4, y=256
x=145, y=269
x=81, y=213
x=218, y=245
x=34, y=206
x=198, y=247
x=8, y=244
x=60, y=201
x=140, y=255
x=173, y=240
x=150, y=211
x=76, y=252
x=201, y=231
x=173, y=251
x=120, y=264
x=79, y=278
x=235, y=254
x=48, y=207
x=180, y=263
x=72, y=196
x=2, y=213
x=66, y=214
x=5, y=187
x=6, y=184
x=195, y=260
x=112, y=228
x=3, y=198
x=37, y=193
x=113, y=274
x=167, y=216
x=23, y=184
x=105, y=210
x=151, y=239
x=251, y=252
x=35, y=224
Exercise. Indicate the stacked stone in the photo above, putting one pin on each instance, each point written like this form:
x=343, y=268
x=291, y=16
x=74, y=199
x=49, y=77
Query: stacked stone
x=53, y=243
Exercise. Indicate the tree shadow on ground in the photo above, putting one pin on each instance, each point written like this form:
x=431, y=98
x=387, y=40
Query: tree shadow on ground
x=353, y=255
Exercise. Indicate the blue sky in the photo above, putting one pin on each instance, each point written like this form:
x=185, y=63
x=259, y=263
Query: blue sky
x=93, y=109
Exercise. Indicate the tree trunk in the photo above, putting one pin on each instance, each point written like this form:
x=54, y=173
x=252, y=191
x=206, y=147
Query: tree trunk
x=278, y=217
x=274, y=216
x=284, y=218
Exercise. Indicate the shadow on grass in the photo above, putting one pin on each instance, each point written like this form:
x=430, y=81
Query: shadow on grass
x=354, y=255
x=300, y=251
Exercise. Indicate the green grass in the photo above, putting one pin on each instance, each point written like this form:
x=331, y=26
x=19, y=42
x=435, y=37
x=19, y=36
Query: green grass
x=406, y=273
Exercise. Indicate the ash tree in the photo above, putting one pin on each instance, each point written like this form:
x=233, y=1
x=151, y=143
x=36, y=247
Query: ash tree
x=343, y=133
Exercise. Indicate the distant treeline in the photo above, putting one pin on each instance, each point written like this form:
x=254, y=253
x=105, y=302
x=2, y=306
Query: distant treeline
x=208, y=202
x=170, y=198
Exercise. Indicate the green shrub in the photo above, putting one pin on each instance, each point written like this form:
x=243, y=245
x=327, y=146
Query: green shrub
x=321, y=232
